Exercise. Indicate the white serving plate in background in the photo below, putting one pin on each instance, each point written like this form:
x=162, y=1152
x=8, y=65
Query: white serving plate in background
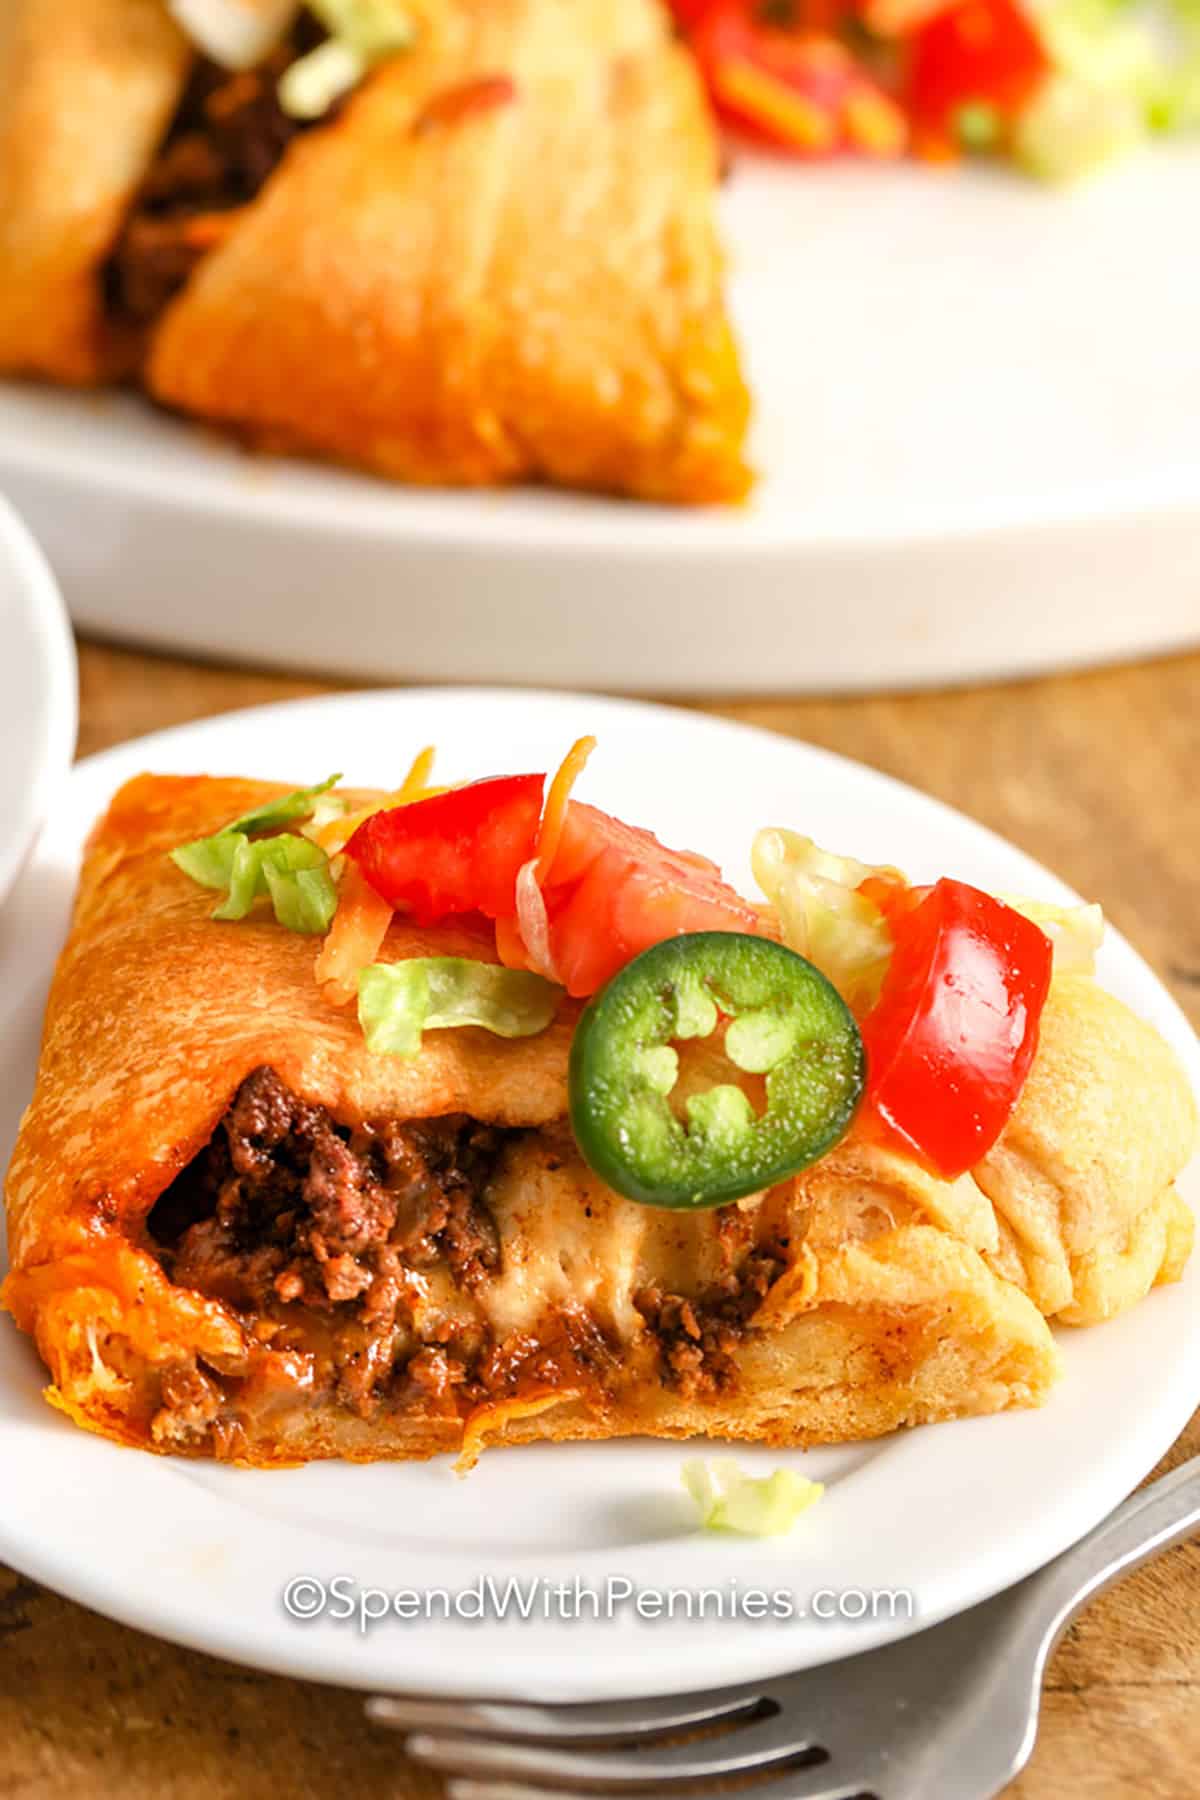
x=202, y=1553
x=38, y=692
x=977, y=431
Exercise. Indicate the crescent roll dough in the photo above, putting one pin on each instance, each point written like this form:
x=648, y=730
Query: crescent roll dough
x=495, y=262
x=87, y=88
x=1082, y=1179
x=235, y=1232
x=498, y=264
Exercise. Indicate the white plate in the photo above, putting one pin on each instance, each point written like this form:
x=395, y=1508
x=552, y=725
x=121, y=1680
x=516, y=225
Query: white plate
x=38, y=706
x=976, y=429
x=953, y=1512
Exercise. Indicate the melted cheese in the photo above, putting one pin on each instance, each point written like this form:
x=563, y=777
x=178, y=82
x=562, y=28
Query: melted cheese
x=565, y=1243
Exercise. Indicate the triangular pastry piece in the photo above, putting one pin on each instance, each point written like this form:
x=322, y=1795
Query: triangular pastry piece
x=237, y=1232
x=498, y=263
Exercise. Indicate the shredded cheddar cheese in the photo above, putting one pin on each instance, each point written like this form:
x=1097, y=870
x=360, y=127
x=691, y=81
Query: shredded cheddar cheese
x=363, y=916
x=359, y=927
x=525, y=943
x=337, y=833
x=554, y=813
x=491, y=1419
x=510, y=945
x=793, y=117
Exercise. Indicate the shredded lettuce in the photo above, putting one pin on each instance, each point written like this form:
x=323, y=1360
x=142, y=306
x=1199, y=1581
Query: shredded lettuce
x=1076, y=932
x=209, y=861
x=247, y=876
x=326, y=808
x=1109, y=44
x=313, y=83
x=822, y=915
x=757, y=1507
x=285, y=811
x=399, y=1001
x=303, y=899
x=372, y=27
x=1122, y=69
x=1071, y=128
x=294, y=872
x=361, y=33
x=824, y=918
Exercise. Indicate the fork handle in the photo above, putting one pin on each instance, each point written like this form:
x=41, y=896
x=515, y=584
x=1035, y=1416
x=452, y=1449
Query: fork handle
x=1143, y=1526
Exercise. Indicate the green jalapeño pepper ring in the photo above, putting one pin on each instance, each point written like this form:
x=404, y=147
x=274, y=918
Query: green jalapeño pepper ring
x=785, y=1022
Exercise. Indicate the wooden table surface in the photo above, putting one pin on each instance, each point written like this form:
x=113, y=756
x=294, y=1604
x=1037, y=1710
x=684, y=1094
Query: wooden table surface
x=1097, y=775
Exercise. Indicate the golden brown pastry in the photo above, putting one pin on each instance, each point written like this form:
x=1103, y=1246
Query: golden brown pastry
x=87, y=89
x=496, y=262
x=236, y=1232
x=499, y=264
x=1082, y=1180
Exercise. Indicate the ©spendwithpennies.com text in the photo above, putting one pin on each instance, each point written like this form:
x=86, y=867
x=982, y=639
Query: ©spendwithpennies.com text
x=343, y=1600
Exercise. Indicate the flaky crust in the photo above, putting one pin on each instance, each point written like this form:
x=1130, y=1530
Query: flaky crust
x=526, y=290
x=1082, y=1179
x=157, y=1013
x=901, y=1299
x=87, y=88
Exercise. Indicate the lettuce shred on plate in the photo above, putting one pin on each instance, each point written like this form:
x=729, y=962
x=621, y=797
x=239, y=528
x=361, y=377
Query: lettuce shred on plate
x=766, y=1506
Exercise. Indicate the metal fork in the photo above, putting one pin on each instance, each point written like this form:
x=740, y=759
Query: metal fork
x=950, y=1713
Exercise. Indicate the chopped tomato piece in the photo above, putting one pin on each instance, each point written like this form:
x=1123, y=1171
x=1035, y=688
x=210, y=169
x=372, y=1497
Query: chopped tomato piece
x=609, y=890
x=951, y=1041
x=457, y=852
x=797, y=87
x=613, y=890
x=688, y=13
x=780, y=15
x=979, y=56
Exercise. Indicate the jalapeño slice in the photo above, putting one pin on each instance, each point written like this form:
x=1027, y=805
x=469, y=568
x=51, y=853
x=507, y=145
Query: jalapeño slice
x=783, y=1021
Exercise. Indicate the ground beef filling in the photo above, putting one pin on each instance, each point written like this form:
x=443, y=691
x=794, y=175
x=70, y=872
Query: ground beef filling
x=287, y=1215
x=227, y=137
x=697, y=1338
x=318, y=1233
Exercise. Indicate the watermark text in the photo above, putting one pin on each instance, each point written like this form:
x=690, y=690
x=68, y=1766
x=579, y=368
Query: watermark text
x=342, y=1600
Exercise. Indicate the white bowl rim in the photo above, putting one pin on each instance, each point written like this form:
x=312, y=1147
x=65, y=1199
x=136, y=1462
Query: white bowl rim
x=38, y=594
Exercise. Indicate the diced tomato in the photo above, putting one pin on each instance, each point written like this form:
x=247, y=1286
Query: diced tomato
x=610, y=891
x=978, y=53
x=779, y=15
x=951, y=1041
x=689, y=13
x=613, y=890
x=456, y=852
x=794, y=84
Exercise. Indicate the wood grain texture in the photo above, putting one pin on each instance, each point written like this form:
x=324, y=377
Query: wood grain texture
x=1094, y=774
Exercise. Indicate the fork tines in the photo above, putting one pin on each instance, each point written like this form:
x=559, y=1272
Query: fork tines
x=509, y=1751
